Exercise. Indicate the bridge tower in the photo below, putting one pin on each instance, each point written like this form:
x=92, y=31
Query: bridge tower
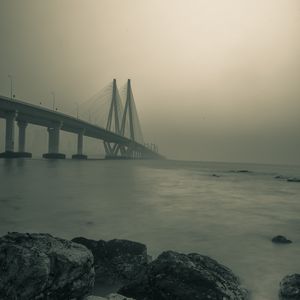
x=131, y=124
x=123, y=122
x=128, y=118
x=128, y=110
x=113, y=122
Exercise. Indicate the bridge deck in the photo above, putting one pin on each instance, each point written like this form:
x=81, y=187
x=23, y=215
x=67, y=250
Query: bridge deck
x=41, y=116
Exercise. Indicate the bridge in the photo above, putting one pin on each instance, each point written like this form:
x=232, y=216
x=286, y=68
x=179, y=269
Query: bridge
x=122, y=136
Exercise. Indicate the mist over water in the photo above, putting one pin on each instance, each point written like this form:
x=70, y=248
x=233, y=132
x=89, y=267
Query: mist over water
x=166, y=205
x=213, y=80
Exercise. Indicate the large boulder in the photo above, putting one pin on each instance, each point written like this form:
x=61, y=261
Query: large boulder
x=290, y=287
x=176, y=276
x=116, y=260
x=40, y=266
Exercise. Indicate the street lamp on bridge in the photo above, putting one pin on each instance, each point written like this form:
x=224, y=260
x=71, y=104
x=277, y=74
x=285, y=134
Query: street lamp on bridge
x=53, y=100
x=11, y=86
x=77, y=106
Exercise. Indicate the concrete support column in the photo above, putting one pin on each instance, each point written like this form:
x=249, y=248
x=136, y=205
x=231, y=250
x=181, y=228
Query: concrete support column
x=53, y=142
x=79, y=154
x=10, y=131
x=80, y=143
x=22, y=139
x=56, y=131
x=22, y=135
x=10, y=117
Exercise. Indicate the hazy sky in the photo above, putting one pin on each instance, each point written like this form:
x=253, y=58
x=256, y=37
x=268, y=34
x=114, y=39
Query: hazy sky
x=212, y=79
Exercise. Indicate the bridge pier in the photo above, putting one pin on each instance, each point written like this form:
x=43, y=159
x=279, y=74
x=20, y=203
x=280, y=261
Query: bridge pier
x=79, y=154
x=53, y=143
x=22, y=138
x=10, y=117
x=10, y=131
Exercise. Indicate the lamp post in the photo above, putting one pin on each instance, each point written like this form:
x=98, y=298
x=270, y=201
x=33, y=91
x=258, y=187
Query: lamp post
x=53, y=100
x=77, y=105
x=11, y=86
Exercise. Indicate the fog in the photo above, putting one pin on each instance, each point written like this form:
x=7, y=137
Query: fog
x=213, y=79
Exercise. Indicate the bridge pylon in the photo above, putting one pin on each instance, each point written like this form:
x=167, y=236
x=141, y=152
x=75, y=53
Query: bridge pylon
x=123, y=120
x=112, y=150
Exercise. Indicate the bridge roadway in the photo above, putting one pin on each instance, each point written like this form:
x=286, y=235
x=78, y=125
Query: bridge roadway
x=25, y=113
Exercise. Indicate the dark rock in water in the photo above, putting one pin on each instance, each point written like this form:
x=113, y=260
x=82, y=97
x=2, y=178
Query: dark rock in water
x=215, y=175
x=293, y=179
x=280, y=239
x=280, y=177
x=290, y=287
x=39, y=266
x=117, y=260
x=176, y=276
x=240, y=171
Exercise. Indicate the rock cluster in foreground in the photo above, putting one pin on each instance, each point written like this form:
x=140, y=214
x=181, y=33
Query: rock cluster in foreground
x=290, y=287
x=190, y=277
x=39, y=266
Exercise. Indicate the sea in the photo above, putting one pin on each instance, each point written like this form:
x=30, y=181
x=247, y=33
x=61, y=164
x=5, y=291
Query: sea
x=228, y=211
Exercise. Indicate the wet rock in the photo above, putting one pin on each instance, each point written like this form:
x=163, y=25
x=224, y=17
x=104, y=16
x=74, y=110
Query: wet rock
x=109, y=297
x=215, y=175
x=240, y=171
x=293, y=179
x=280, y=239
x=117, y=260
x=117, y=297
x=39, y=266
x=176, y=276
x=280, y=177
x=290, y=287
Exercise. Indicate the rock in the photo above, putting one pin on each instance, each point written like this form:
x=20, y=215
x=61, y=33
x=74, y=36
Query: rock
x=293, y=179
x=117, y=260
x=240, y=171
x=215, y=175
x=290, y=287
x=280, y=177
x=280, y=239
x=109, y=297
x=176, y=276
x=117, y=297
x=39, y=266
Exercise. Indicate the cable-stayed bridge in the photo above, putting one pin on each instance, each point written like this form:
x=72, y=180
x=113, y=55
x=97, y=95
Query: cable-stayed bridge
x=110, y=116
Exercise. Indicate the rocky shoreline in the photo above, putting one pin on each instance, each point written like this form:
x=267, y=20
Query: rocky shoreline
x=40, y=266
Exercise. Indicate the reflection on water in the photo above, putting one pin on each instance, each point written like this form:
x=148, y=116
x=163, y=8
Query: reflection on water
x=166, y=205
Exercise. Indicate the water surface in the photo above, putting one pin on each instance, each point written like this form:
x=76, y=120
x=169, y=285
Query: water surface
x=166, y=205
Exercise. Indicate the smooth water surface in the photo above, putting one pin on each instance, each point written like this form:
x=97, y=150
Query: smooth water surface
x=166, y=205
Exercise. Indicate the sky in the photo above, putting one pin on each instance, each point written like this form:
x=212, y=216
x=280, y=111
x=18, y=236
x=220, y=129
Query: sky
x=213, y=80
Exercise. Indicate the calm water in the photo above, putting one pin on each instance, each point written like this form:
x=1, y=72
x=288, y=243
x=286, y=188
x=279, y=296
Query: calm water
x=166, y=205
